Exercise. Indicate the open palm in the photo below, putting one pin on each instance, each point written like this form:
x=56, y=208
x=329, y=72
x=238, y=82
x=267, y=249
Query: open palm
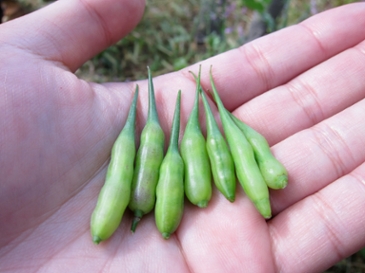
x=302, y=87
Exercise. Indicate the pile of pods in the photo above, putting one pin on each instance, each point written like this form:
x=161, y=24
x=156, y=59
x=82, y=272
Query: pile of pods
x=148, y=179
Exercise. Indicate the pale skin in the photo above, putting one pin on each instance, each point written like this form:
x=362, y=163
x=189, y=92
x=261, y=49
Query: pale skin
x=303, y=88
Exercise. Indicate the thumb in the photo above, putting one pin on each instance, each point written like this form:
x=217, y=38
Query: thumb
x=73, y=31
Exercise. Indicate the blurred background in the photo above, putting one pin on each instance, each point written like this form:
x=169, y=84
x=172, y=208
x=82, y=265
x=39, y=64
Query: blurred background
x=175, y=34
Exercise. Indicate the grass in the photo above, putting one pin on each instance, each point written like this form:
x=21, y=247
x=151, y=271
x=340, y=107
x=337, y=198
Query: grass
x=164, y=40
x=167, y=39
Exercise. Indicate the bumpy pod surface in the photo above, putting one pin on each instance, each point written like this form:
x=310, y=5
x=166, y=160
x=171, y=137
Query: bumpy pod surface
x=247, y=170
x=148, y=161
x=220, y=157
x=114, y=195
x=198, y=185
x=170, y=188
x=274, y=173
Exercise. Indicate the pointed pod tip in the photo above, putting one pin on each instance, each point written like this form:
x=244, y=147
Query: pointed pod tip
x=149, y=73
x=178, y=99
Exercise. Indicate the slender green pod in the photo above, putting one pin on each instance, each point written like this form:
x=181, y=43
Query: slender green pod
x=170, y=187
x=247, y=170
x=148, y=160
x=114, y=195
x=274, y=173
x=220, y=157
x=198, y=184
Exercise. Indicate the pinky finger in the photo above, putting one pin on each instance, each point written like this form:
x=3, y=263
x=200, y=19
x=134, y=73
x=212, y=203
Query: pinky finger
x=323, y=228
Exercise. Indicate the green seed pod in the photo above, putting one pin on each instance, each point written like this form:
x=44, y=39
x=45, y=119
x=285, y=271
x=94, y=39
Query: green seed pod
x=114, y=195
x=170, y=187
x=247, y=170
x=220, y=157
x=272, y=170
x=148, y=162
x=198, y=185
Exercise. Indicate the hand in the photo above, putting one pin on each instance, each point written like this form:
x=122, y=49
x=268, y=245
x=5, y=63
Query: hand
x=301, y=87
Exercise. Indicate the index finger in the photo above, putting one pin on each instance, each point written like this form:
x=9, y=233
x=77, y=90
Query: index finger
x=72, y=31
x=274, y=59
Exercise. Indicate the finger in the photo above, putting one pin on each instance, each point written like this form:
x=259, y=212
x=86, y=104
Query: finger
x=317, y=156
x=70, y=31
x=303, y=48
x=322, y=229
x=311, y=97
x=276, y=58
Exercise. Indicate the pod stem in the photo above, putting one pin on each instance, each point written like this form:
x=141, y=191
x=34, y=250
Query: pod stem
x=152, y=111
x=137, y=217
x=175, y=129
